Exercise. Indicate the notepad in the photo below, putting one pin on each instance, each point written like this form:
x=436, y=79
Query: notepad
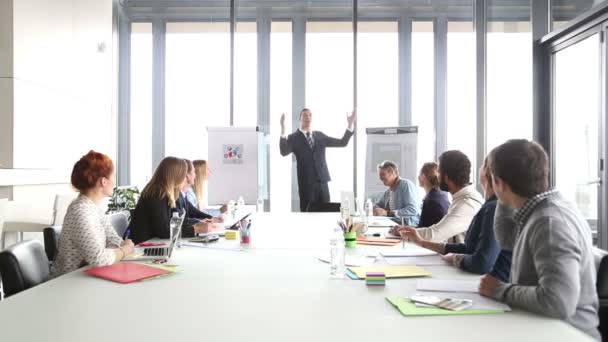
x=377, y=241
x=433, y=260
x=447, y=285
x=409, y=308
x=391, y=271
x=127, y=272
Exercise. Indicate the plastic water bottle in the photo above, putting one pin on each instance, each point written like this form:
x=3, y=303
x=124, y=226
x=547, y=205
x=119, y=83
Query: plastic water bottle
x=260, y=205
x=336, y=254
x=345, y=208
x=174, y=227
x=240, y=204
x=369, y=208
x=231, y=209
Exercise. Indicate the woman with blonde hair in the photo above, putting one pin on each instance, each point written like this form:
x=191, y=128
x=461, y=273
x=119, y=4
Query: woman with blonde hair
x=196, y=193
x=158, y=201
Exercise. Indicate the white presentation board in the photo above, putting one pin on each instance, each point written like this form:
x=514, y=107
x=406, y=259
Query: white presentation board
x=238, y=162
x=398, y=144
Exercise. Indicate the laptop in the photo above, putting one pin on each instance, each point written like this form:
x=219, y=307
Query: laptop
x=160, y=252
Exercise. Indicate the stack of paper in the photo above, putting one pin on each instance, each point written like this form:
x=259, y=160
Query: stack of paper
x=390, y=271
x=409, y=308
x=375, y=279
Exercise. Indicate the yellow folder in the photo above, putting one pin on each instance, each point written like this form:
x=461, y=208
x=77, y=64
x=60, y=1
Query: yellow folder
x=391, y=271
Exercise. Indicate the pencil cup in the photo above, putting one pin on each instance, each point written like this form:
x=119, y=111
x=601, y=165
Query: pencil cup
x=350, y=239
x=245, y=234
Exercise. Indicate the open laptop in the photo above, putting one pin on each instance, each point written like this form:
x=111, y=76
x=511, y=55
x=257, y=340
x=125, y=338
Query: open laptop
x=160, y=252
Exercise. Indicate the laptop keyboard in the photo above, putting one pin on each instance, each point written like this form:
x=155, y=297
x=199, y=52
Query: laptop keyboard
x=156, y=251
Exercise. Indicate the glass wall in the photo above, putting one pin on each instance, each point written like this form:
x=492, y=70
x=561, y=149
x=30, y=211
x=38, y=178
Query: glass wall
x=280, y=102
x=197, y=86
x=509, y=70
x=577, y=117
x=461, y=85
x=423, y=89
x=245, y=75
x=329, y=93
x=141, y=104
x=378, y=84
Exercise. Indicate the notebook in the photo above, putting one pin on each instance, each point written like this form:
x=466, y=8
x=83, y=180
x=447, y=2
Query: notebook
x=377, y=241
x=409, y=308
x=391, y=271
x=126, y=272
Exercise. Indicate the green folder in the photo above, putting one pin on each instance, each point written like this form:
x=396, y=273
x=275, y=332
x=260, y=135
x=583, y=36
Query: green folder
x=409, y=308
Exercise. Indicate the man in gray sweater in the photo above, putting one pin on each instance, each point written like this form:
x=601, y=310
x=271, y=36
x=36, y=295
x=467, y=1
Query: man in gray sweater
x=553, y=272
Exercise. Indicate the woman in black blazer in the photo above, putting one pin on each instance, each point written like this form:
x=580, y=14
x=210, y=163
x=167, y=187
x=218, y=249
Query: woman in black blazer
x=159, y=200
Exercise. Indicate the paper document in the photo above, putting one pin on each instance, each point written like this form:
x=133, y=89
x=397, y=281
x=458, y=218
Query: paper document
x=433, y=260
x=391, y=271
x=351, y=260
x=402, y=252
x=479, y=302
x=409, y=308
x=446, y=285
x=380, y=221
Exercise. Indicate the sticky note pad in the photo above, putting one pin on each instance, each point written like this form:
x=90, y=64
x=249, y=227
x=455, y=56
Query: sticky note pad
x=231, y=235
x=375, y=278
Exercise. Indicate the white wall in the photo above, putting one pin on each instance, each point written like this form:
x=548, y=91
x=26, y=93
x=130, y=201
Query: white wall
x=55, y=94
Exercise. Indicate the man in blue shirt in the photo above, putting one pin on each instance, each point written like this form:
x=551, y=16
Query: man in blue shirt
x=401, y=197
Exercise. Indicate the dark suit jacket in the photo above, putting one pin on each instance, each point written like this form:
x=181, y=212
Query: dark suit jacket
x=193, y=215
x=312, y=166
x=151, y=219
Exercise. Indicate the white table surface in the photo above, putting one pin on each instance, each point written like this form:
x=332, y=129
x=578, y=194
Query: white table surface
x=275, y=291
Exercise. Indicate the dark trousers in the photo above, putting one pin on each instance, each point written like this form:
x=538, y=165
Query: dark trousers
x=317, y=192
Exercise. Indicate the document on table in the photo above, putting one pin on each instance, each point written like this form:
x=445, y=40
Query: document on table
x=409, y=308
x=391, y=271
x=479, y=302
x=401, y=252
x=433, y=260
x=351, y=260
x=446, y=285
x=380, y=221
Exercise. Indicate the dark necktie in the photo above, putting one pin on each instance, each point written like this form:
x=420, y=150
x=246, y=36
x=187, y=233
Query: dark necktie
x=309, y=140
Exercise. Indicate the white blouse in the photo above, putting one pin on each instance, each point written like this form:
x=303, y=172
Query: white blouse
x=85, y=238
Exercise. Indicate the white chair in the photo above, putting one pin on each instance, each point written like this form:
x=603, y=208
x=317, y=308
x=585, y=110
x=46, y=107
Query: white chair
x=3, y=213
x=18, y=221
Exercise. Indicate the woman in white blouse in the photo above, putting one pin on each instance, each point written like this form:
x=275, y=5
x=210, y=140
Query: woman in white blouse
x=87, y=236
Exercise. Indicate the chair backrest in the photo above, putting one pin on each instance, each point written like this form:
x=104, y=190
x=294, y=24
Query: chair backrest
x=330, y=207
x=3, y=212
x=120, y=222
x=22, y=266
x=60, y=207
x=602, y=293
x=51, y=240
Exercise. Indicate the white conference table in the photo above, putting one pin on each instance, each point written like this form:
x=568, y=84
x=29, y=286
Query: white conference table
x=275, y=291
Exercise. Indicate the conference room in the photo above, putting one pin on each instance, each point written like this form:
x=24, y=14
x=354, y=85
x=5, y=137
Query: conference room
x=303, y=170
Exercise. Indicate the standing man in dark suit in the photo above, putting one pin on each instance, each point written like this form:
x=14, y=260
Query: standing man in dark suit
x=309, y=148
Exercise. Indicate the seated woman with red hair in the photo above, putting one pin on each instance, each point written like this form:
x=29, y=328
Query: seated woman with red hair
x=87, y=236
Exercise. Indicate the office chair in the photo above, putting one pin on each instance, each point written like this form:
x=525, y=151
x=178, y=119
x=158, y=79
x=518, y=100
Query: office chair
x=22, y=266
x=120, y=222
x=602, y=293
x=315, y=207
x=51, y=241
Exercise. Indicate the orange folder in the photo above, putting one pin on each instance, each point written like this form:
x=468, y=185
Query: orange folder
x=377, y=241
x=126, y=272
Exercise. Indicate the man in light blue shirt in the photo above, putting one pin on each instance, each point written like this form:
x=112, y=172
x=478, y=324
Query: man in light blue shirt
x=400, y=199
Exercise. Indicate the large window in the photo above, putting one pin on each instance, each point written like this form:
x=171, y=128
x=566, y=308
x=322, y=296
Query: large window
x=423, y=88
x=378, y=84
x=197, y=85
x=245, y=75
x=563, y=11
x=577, y=117
x=329, y=93
x=280, y=102
x=509, y=82
x=141, y=104
x=461, y=114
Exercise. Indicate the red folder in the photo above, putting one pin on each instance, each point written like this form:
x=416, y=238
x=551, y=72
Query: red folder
x=126, y=272
x=377, y=241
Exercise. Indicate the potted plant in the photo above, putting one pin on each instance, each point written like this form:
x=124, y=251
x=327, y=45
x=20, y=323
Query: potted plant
x=124, y=199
